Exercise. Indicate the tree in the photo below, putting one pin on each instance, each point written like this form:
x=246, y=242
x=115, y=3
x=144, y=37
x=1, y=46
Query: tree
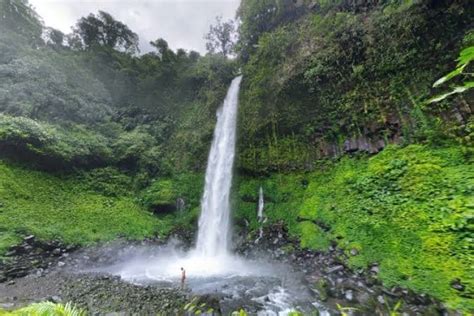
x=103, y=30
x=164, y=52
x=19, y=17
x=221, y=37
x=54, y=38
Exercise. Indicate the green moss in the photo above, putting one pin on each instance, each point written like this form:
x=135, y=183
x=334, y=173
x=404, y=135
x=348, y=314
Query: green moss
x=161, y=192
x=166, y=191
x=313, y=237
x=69, y=208
x=408, y=209
x=322, y=77
x=283, y=194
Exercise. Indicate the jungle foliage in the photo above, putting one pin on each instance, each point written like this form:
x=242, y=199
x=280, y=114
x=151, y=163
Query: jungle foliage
x=92, y=81
x=91, y=132
x=328, y=84
x=335, y=77
x=127, y=135
x=407, y=209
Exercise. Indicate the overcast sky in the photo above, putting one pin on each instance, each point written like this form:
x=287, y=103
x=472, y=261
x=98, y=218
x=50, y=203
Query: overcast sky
x=182, y=23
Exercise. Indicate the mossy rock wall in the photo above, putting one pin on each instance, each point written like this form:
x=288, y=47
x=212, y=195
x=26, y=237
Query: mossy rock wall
x=409, y=209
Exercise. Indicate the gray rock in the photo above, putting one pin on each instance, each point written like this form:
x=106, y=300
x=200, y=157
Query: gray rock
x=336, y=268
x=363, y=297
x=354, y=252
x=56, y=252
x=457, y=285
x=29, y=238
x=375, y=269
x=349, y=295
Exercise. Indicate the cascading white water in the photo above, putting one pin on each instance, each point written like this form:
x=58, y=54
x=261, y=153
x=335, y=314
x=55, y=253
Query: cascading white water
x=261, y=205
x=214, y=223
x=211, y=267
x=260, y=218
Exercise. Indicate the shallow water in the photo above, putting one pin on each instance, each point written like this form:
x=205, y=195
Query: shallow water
x=259, y=286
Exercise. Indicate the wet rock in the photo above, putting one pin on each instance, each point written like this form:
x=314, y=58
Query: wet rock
x=55, y=299
x=335, y=269
x=28, y=257
x=375, y=269
x=321, y=289
x=423, y=299
x=457, y=285
x=29, y=239
x=390, y=293
x=56, y=252
x=349, y=295
x=363, y=297
x=15, y=272
x=109, y=294
x=7, y=305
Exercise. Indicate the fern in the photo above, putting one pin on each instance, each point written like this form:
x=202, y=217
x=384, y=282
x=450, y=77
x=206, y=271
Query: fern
x=47, y=309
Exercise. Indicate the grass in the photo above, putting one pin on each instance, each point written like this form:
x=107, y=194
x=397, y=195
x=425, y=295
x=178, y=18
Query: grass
x=69, y=209
x=409, y=209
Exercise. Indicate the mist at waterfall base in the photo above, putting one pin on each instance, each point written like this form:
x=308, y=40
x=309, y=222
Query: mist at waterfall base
x=210, y=266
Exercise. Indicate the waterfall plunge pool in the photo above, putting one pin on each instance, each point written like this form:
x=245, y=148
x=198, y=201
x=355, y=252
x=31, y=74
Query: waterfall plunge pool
x=260, y=286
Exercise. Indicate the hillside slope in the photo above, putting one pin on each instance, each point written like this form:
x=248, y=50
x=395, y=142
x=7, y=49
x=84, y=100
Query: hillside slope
x=408, y=210
x=347, y=78
x=71, y=209
x=335, y=127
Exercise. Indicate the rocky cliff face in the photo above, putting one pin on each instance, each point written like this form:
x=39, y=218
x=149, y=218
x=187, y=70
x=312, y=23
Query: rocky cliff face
x=348, y=78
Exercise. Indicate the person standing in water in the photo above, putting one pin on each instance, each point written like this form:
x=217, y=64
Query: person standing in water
x=183, y=277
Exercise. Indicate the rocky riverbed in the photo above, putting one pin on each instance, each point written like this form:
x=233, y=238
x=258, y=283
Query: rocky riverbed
x=318, y=282
x=333, y=283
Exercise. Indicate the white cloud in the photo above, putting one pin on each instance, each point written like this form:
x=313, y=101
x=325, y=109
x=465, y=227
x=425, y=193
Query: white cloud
x=182, y=23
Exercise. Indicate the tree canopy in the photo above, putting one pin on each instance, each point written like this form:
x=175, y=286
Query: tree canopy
x=221, y=37
x=103, y=30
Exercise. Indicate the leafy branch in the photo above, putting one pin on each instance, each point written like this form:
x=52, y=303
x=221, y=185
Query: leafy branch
x=465, y=58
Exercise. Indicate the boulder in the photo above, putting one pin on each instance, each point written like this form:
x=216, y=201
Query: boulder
x=457, y=285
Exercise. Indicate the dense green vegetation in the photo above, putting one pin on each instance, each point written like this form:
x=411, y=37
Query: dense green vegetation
x=346, y=77
x=95, y=138
x=95, y=90
x=407, y=209
x=86, y=207
x=69, y=209
x=113, y=136
x=46, y=309
x=323, y=79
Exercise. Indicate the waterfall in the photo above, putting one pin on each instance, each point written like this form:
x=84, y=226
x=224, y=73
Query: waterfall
x=260, y=218
x=261, y=205
x=214, y=222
